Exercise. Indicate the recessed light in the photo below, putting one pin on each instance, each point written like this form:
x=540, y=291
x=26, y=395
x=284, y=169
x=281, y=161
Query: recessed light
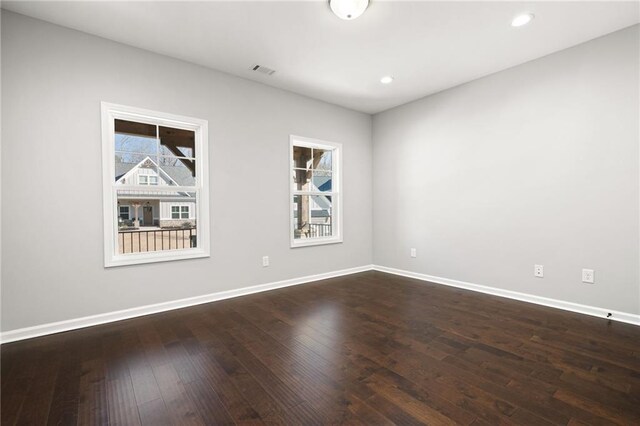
x=521, y=20
x=386, y=79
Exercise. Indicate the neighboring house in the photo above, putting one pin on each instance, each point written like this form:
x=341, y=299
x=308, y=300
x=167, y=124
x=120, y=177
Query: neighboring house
x=312, y=215
x=319, y=211
x=155, y=208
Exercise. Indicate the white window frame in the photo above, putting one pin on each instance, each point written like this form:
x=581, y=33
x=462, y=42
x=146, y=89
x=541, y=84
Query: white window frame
x=336, y=192
x=111, y=112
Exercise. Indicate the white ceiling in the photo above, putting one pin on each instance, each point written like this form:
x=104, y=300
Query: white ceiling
x=427, y=46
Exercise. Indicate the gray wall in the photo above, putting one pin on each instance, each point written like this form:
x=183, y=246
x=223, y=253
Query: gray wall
x=53, y=80
x=535, y=164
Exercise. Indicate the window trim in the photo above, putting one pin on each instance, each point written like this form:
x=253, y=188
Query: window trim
x=336, y=192
x=110, y=112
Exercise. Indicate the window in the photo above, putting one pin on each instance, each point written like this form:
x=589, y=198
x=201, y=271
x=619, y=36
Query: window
x=315, y=192
x=147, y=180
x=124, y=212
x=179, y=212
x=170, y=221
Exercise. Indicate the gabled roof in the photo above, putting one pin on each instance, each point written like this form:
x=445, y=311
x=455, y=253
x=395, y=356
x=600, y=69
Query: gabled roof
x=180, y=176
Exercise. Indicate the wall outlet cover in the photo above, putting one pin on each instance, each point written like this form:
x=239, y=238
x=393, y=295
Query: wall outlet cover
x=538, y=271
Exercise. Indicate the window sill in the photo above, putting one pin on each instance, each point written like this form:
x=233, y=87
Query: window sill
x=143, y=258
x=315, y=242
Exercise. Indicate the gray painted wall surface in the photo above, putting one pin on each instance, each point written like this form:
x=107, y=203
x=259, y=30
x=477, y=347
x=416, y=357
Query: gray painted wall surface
x=538, y=164
x=53, y=80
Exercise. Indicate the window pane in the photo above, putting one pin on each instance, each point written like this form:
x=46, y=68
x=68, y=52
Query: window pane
x=321, y=181
x=184, y=211
x=178, y=171
x=156, y=222
x=129, y=166
x=137, y=144
x=322, y=159
x=177, y=142
x=135, y=137
x=312, y=216
x=124, y=212
x=301, y=157
x=301, y=179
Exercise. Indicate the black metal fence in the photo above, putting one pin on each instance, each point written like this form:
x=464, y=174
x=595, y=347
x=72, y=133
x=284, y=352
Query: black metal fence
x=138, y=241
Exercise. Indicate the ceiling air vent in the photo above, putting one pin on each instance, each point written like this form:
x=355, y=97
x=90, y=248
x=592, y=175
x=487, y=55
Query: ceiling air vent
x=262, y=69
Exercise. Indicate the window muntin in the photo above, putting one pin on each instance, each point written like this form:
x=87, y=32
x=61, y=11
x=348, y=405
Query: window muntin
x=315, y=192
x=144, y=149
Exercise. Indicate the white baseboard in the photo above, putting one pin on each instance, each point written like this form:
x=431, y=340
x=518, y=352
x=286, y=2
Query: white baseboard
x=538, y=300
x=73, y=324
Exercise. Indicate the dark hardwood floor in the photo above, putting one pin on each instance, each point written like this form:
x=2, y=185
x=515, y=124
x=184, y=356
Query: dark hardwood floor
x=369, y=348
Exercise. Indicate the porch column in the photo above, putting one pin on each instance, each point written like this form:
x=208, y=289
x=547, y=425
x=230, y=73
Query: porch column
x=136, y=222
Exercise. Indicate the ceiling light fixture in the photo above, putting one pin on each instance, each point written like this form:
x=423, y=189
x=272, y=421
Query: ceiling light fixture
x=521, y=20
x=348, y=9
x=386, y=79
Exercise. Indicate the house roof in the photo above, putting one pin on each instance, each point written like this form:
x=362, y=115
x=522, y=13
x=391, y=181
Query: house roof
x=180, y=175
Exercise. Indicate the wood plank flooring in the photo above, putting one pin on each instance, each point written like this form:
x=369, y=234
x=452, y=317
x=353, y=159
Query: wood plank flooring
x=368, y=348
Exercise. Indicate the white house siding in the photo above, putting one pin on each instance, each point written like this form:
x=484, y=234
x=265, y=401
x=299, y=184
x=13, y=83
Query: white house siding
x=165, y=213
x=132, y=178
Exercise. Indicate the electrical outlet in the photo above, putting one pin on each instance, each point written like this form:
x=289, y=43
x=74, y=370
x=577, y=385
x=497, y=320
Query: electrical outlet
x=265, y=261
x=538, y=271
x=588, y=276
x=414, y=252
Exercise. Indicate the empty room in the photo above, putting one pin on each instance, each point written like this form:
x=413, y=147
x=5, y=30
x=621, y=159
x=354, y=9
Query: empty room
x=323, y=212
